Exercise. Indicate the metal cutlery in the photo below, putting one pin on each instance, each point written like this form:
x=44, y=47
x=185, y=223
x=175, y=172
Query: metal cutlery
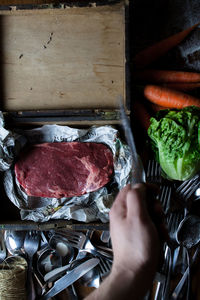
x=178, y=292
x=153, y=172
x=165, y=197
x=188, y=188
x=55, y=273
x=163, y=277
x=138, y=173
x=72, y=292
x=171, y=251
x=104, y=267
x=71, y=277
x=173, y=221
x=82, y=242
x=105, y=236
x=91, y=278
x=188, y=235
x=3, y=251
x=14, y=241
x=31, y=243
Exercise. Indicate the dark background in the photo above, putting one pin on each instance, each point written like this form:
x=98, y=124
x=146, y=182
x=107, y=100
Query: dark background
x=154, y=20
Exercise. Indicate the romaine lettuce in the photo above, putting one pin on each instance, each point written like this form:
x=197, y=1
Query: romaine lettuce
x=175, y=138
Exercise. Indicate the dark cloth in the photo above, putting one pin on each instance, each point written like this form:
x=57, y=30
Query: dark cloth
x=154, y=20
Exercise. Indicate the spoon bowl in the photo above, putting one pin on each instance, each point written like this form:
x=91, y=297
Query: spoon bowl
x=47, y=261
x=61, y=245
x=188, y=232
x=14, y=241
x=91, y=278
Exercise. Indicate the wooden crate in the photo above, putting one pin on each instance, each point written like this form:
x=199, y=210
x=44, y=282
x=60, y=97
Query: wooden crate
x=62, y=63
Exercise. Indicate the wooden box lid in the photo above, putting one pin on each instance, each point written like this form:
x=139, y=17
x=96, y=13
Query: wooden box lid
x=63, y=58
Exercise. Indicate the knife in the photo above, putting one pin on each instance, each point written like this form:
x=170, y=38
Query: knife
x=138, y=173
x=70, y=278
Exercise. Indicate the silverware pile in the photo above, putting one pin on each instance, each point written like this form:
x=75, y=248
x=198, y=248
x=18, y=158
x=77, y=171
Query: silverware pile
x=59, y=258
x=181, y=251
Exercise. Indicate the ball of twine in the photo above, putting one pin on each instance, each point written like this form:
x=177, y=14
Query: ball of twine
x=13, y=279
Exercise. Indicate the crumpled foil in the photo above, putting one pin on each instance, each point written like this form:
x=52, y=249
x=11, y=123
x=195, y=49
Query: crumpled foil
x=92, y=206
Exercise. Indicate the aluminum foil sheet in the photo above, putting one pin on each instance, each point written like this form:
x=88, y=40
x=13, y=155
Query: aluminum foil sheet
x=93, y=206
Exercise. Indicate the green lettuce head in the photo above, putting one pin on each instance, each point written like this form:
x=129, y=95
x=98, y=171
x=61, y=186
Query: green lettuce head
x=175, y=140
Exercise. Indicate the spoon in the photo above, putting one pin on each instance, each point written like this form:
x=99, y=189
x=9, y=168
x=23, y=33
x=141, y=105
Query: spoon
x=188, y=235
x=105, y=236
x=188, y=232
x=57, y=272
x=14, y=241
x=91, y=278
x=3, y=251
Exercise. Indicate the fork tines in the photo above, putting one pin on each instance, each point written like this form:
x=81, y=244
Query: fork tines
x=173, y=220
x=104, y=267
x=76, y=239
x=165, y=197
x=188, y=188
x=153, y=172
x=70, y=234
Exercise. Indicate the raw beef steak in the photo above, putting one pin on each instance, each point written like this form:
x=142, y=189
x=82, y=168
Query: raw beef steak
x=66, y=169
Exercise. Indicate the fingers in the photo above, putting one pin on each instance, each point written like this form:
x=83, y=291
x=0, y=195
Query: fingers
x=119, y=208
x=139, y=202
x=136, y=202
x=156, y=212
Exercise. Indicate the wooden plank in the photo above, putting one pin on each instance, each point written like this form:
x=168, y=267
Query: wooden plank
x=62, y=58
x=22, y=2
x=36, y=2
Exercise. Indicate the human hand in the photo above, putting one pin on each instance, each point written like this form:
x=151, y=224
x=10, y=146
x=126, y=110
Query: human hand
x=135, y=243
x=134, y=237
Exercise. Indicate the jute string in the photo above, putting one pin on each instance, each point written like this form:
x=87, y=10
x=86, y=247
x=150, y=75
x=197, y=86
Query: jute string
x=13, y=279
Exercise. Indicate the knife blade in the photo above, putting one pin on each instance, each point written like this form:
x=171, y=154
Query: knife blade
x=70, y=278
x=138, y=173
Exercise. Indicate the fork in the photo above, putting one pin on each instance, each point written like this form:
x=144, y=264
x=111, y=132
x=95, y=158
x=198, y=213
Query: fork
x=2, y=248
x=104, y=267
x=188, y=187
x=170, y=248
x=171, y=251
x=31, y=243
x=173, y=220
x=186, y=190
x=178, y=291
x=165, y=197
x=82, y=242
x=153, y=173
x=162, y=290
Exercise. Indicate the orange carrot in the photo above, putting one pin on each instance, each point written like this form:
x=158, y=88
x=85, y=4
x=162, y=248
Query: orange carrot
x=152, y=53
x=168, y=97
x=166, y=76
x=188, y=86
x=142, y=114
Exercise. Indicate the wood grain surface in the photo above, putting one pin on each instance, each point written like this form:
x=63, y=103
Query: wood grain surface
x=62, y=58
x=22, y=2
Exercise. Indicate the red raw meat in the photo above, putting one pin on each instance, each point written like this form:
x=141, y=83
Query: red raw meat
x=67, y=169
